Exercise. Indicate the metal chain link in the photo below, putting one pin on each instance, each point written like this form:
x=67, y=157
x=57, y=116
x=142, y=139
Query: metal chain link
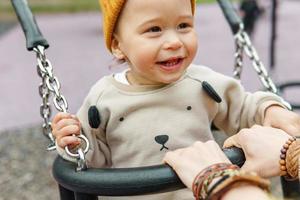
x=243, y=42
x=238, y=65
x=45, y=108
x=50, y=84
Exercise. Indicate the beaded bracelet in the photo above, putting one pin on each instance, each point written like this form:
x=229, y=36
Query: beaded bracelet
x=283, y=160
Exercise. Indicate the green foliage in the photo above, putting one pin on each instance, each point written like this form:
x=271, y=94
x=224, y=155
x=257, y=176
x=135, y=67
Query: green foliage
x=206, y=1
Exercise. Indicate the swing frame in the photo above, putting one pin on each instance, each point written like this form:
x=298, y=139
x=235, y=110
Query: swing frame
x=80, y=183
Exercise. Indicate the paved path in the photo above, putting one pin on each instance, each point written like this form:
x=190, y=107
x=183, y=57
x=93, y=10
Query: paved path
x=79, y=57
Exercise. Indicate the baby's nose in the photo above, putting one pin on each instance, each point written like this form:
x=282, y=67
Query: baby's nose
x=172, y=42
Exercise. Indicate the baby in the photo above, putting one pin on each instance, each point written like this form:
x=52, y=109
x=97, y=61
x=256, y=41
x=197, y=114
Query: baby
x=162, y=101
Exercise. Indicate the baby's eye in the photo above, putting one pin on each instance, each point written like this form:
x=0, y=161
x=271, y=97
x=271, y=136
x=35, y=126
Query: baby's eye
x=154, y=29
x=183, y=25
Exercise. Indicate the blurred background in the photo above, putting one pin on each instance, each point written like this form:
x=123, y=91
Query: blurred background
x=73, y=29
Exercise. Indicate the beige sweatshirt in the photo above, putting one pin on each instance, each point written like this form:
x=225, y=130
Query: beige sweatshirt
x=139, y=124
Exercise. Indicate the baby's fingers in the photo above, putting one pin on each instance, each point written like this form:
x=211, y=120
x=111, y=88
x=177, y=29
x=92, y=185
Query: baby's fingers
x=67, y=131
x=66, y=122
x=68, y=140
x=58, y=117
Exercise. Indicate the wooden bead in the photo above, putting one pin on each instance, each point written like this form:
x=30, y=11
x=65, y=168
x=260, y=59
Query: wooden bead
x=283, y=168
x=282, y=162
x=283, y=151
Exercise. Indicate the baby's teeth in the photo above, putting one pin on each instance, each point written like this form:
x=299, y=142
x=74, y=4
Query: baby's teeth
x=171, y=63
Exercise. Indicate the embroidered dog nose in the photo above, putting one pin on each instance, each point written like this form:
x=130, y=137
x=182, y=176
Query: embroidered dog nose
x=162, y=139
x=94, y=117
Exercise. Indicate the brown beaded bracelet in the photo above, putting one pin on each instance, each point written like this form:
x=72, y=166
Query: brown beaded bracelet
x=282, y=160
x=292, y=160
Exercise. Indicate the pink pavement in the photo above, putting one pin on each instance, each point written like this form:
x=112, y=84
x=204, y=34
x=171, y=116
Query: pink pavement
x=79, y=57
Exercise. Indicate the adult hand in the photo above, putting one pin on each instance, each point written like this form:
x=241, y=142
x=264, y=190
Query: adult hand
x=188, y=162
x=261, y=146
x=278, y=117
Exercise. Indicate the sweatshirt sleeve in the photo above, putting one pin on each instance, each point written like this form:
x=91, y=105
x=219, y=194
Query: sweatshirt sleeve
x=98, y=154
x=240, y=109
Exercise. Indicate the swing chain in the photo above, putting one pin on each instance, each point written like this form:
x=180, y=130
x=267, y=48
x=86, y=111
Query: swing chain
x=45, y=108
x=243, y=44
x=50, y=84
x=243, y=39
x=238, y=65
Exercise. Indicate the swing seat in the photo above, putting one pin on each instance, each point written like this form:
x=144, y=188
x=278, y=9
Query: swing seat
x=121, y=181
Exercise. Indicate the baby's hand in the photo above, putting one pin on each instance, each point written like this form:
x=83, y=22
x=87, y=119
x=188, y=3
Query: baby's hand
x=283, y=119
x=64, y=128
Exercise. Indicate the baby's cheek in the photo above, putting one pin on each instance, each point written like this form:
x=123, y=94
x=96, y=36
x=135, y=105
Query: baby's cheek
x=192, y=45
x=145, y=56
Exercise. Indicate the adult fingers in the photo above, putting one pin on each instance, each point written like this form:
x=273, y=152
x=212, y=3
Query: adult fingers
x=172, y=158
x=184, y=165
x=232, y=141
x=216, y=152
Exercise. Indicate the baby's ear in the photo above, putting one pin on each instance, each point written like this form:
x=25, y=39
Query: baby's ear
x=116, y=50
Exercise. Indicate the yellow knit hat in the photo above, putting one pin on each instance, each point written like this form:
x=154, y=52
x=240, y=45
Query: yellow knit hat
x=111, y=10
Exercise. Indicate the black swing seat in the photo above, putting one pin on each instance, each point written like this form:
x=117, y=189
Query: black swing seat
x=125, y=181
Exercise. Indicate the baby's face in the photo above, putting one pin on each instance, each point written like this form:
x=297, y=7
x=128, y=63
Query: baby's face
x=157, y=38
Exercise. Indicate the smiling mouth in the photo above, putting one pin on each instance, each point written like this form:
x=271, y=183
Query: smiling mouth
x=171, y=62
